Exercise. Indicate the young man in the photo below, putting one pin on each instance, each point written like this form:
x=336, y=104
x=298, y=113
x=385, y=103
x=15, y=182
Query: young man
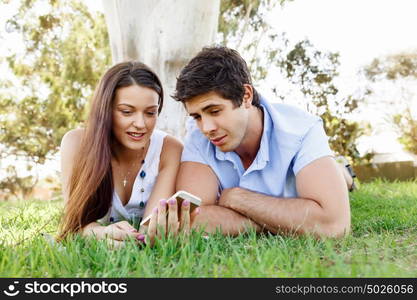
x=253, y=163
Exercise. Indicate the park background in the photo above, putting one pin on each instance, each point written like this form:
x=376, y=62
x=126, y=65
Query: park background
x=352, y=62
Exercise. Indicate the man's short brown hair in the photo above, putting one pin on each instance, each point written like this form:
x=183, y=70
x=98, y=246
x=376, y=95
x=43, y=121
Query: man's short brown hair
x=215, y=69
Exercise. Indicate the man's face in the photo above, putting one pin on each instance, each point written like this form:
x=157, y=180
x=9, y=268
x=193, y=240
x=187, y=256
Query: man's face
x=217, y=118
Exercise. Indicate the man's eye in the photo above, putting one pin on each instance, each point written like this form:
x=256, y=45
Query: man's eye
x=213, y=112
x=196, y=117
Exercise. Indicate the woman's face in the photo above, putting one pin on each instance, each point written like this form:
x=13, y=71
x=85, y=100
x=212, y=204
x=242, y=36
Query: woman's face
x=135, y=112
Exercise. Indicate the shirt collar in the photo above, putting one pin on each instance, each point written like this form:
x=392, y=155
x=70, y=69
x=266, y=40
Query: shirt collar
x=263, y=153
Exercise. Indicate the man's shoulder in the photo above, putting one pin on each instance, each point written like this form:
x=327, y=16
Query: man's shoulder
x=289, y=119
x=197, y=147
x=194, y=135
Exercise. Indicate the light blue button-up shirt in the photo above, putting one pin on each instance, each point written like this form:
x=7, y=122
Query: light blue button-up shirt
x=291, y=139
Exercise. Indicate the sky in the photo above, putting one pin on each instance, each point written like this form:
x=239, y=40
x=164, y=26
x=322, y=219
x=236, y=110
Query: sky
x=359, y=30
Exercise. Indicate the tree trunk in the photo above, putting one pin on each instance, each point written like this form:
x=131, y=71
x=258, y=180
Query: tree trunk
x=165, y=35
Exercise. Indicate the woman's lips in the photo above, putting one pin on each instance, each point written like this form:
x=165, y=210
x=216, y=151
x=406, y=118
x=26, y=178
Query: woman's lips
x=135, y=136
x=218, y=141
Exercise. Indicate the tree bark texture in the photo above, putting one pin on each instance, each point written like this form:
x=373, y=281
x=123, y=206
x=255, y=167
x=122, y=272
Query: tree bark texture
x=165, y=35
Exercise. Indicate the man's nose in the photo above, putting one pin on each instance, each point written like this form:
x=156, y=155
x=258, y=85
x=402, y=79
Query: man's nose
x=208, y=125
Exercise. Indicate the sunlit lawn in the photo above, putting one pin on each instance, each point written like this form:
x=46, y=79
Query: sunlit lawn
x=383, y=243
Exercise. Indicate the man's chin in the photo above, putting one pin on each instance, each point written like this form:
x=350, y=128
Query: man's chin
x=225, y=148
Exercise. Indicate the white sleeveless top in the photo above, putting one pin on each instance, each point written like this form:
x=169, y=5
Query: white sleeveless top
x=142, y=187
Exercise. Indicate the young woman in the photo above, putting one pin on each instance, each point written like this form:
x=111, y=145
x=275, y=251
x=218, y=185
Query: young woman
x=120, y=169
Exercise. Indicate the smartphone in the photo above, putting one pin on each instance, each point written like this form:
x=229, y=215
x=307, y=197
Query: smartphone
x=180, y=196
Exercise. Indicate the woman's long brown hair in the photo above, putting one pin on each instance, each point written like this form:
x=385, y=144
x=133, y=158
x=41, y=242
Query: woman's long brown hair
x=91, y=183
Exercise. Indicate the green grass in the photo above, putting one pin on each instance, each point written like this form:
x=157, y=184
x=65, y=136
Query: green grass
x=383, y=243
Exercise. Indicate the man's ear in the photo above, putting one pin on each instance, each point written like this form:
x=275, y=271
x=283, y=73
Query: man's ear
x=247, y=96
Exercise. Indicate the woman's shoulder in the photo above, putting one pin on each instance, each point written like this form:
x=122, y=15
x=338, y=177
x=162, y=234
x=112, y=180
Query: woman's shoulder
x=171, y=149
x=72, y=139
x=171, y=142
x=70, y=146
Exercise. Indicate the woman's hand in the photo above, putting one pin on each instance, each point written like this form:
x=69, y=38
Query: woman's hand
x=164, y=219
x=115, y=233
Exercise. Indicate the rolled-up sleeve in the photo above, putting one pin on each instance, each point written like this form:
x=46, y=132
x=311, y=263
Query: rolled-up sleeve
x=314, y=145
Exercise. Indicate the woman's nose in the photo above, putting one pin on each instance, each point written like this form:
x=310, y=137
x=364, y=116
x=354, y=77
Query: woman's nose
x=139, y=121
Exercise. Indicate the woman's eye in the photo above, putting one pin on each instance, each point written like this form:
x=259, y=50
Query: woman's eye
x=126, y=112
x=151, y=113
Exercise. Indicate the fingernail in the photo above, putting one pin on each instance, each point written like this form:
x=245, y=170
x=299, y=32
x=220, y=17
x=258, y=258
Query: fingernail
x=155, y=210
x=172, y=201
x=133, y=230
x=140, y=237
x=186, y=203
x=197, y=210
x=163, y=201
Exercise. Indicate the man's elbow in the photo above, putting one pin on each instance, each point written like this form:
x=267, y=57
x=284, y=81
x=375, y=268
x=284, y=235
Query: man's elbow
x=338, y=230
x=335, y=220
x=334, y=229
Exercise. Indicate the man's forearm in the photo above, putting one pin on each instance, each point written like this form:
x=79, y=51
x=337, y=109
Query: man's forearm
x=229, y=222
x=281, y=215
x=297, y=216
